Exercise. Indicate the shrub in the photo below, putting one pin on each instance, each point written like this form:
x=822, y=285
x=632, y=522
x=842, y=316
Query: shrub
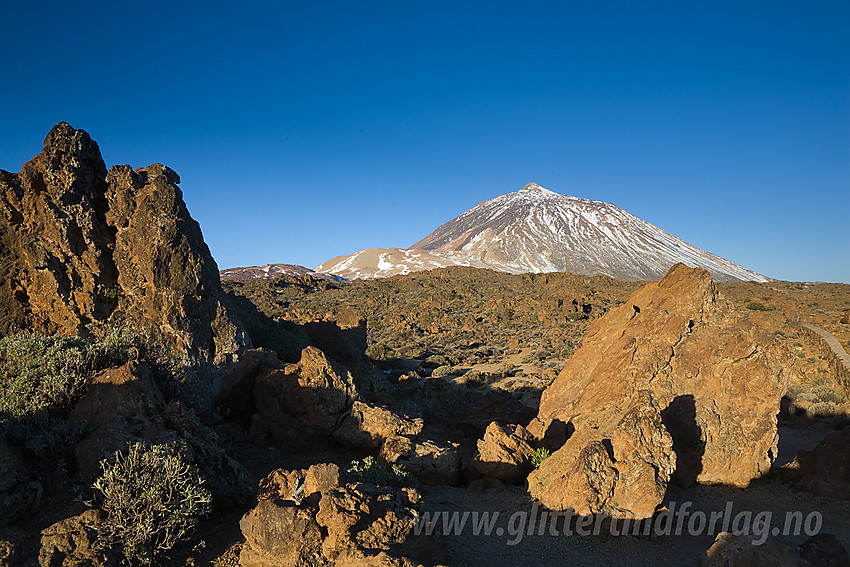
x=823, y=409
x=825, y=393
x=540, y=454
x=41, y=377
x=38, y=372
x=380, y=351
x=576, y=316
x=441, y=371
x=152, y=498
x=756, y=306
x=436, y=360
x=799, y=393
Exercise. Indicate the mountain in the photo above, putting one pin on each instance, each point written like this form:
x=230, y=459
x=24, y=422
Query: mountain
x=270, y=271
x=537, y=230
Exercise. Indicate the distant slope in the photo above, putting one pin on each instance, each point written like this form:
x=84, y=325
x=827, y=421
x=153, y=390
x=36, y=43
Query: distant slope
x=537, y=230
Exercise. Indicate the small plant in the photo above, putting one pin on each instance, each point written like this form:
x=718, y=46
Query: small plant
x=576, y=316
x=152, y=498
x=370, y=471
x=540, y=454
x=756, y=306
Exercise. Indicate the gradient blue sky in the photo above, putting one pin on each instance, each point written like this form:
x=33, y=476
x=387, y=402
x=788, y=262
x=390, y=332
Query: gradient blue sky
x=306, y=130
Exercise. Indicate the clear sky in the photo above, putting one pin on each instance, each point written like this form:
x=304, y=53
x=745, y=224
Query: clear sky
x=307, y=130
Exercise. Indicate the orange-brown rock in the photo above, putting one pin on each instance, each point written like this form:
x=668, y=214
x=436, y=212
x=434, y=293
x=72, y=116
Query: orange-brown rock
x=367, y=426
x=81, y=245
x=504, y=452
x=303, y=400
x=716, y=376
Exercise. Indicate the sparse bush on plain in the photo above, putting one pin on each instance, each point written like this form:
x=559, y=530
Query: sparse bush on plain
x=757, y=306
x=799, y=393
x=153, y=497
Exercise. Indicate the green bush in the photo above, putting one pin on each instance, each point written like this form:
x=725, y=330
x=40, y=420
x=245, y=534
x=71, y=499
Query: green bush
x=152, y=498
x=756, y=306
x=38, y=372
x=540, y=454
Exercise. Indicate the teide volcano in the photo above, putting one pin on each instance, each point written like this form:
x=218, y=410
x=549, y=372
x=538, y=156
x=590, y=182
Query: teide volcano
x=537, y=230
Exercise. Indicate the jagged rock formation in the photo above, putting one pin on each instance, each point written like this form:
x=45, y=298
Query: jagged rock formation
x=537, y=230
x=80, y=245
x=675, y=361
x=308, y=517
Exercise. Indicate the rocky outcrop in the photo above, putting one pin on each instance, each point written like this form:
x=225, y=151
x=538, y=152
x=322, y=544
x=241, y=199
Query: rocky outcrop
x=80, y=245
x=307, y=517
x=504, y=453
x=674, y=365
x=430, y=462
x=118, y=406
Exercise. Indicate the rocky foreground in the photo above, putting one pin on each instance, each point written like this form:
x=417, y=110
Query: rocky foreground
x=292, y=438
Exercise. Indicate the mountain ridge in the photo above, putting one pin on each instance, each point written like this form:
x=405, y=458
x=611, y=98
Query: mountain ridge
x=537, y=230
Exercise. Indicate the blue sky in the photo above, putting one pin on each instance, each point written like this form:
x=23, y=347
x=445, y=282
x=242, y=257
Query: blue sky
x=307, y=130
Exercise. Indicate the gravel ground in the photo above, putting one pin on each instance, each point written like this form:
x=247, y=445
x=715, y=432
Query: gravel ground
x=606, y=550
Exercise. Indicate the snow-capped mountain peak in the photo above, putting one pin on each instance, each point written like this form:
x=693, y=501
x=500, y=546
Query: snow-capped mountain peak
x=537, y=230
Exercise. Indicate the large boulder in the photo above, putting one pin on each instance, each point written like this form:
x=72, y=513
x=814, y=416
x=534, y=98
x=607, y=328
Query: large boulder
x=504, y=452
x=81, y=245
x=680, y=362
x=367, y=426
x=118, y=407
